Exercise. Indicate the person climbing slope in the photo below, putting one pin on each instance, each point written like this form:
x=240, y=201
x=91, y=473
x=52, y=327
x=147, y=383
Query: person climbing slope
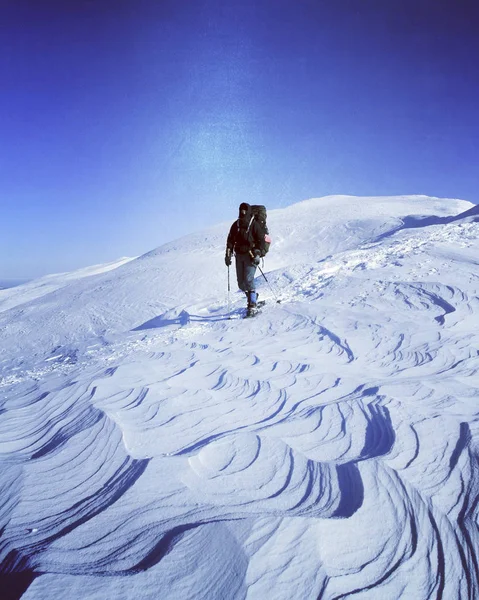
x=249, y=240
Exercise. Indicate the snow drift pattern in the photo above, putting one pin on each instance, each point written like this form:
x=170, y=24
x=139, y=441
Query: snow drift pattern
x=326, y=449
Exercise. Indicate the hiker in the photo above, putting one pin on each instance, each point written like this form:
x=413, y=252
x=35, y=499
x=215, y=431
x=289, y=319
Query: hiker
x=249, y=240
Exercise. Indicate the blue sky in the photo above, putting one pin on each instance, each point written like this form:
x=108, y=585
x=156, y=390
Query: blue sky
x=127, y=123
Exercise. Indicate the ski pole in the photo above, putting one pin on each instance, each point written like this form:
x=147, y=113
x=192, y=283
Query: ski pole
x=275, y=296
x=229, y=288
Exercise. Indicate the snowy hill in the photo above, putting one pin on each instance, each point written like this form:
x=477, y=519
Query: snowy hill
x=191, y=271
x=11, y=296
x=325, y=449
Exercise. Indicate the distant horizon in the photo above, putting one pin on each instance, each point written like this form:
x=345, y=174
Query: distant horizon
x=126, y=125
x=6, y=283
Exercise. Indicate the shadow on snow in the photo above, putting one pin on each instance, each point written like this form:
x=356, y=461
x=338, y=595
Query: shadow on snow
x=181, y=319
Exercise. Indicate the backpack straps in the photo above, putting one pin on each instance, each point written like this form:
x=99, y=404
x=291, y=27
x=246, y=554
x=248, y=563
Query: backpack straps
x=243, y=241
x=249, y=225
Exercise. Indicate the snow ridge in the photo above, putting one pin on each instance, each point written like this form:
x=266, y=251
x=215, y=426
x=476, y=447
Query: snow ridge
x=327, y=448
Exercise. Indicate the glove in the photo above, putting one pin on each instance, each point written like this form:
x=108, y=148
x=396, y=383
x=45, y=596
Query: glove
x=228, y=257
x=256, y=258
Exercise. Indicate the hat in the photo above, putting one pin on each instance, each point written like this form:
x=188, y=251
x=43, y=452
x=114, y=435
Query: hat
x=244, y=206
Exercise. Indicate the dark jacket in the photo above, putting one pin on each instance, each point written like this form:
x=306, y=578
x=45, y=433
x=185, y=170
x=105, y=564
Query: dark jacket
x=246, y=235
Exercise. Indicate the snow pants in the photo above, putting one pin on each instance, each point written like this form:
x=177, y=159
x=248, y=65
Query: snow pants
x=245, y=272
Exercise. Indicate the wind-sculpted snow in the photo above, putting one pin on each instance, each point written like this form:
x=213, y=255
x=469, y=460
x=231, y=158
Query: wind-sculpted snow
x=326, y=449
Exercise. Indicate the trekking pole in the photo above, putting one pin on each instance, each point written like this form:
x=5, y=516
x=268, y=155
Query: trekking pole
x=275, y=296
x=229, y=288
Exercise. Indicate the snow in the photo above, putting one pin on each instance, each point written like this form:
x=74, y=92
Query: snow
x=9, y=297
x=154, y=446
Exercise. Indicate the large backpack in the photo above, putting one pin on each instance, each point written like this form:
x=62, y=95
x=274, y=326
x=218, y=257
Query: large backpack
x=258, y=212
x=244, y=241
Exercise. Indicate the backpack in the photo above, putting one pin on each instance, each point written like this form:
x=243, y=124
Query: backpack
x=258, y=212
x=244, y=240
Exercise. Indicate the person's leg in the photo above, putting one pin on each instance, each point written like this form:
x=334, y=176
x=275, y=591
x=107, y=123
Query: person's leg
x=240, y=272
x=250, y=271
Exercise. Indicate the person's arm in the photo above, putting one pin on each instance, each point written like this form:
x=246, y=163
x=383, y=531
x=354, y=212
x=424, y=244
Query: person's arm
x=230, y=243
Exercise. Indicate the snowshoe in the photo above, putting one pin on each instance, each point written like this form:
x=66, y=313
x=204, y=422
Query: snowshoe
x=252, y=311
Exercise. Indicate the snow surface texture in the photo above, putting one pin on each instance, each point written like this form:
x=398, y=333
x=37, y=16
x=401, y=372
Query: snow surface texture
x=152, y=447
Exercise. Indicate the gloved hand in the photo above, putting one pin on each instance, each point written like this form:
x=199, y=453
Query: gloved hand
x=256, y=258
x=228, y=258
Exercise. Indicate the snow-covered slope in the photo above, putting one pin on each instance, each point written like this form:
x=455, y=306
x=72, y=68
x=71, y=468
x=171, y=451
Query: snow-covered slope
x=191, y=270
x=22, y=294
x=325, y=449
